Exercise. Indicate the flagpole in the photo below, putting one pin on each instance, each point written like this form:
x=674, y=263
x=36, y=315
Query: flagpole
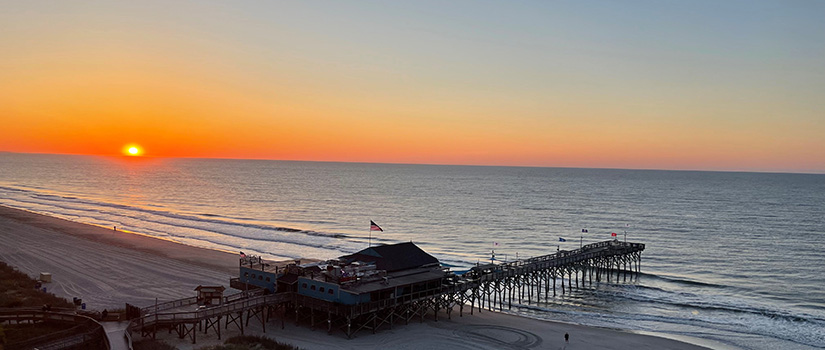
x=374, y=227
x=625, y=232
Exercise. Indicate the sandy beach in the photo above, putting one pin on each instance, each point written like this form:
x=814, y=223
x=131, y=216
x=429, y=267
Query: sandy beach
x=104, y=267
x=107, y=268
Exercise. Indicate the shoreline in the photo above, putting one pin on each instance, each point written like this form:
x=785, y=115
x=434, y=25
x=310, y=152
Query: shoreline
x=106, y=268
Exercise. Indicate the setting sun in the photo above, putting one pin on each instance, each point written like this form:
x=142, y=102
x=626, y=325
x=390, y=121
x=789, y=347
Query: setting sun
x=132, y=150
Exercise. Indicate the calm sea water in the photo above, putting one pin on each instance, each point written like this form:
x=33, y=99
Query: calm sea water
x=731, y=257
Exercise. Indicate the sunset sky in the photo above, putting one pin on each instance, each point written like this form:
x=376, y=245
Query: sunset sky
x=708, y=85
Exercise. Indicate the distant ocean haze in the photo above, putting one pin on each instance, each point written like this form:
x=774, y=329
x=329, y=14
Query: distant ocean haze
x=733, y=257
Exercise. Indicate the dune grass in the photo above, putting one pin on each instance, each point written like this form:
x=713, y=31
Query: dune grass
x=18, y=291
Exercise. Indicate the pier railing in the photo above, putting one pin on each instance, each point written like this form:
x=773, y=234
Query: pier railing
x=491, y=272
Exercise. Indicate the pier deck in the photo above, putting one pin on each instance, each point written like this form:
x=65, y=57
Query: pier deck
x=488, y=286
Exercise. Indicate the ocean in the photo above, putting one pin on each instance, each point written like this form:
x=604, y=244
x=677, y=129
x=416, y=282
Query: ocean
x=735, y=258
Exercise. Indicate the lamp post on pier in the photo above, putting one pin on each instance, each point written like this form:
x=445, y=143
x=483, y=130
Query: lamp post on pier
x=625, y=232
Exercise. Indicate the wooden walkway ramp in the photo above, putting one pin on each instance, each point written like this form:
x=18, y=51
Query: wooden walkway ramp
x=237, y=311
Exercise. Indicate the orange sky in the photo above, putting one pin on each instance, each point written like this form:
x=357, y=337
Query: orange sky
x=394, y=85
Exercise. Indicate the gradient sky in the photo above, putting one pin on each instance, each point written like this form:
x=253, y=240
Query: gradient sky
x=711, y=85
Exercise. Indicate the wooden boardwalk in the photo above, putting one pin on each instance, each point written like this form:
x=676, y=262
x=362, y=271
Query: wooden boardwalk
x=84, y=333
x=489, y=286
x=253, y=305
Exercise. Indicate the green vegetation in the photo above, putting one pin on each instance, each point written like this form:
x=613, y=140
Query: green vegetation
x=25, y=331
x=151, y=344
x=18, y=291
x=248, y=342
x=242, y=342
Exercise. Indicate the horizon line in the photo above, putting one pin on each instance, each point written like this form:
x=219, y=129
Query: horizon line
x=115, y=155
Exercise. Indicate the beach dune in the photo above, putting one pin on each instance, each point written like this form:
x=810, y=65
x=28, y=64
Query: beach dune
x=108, y=268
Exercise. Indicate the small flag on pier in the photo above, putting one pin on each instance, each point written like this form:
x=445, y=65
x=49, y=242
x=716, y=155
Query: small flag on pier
x=613, y=234
x=374, y=227
x=562, y=239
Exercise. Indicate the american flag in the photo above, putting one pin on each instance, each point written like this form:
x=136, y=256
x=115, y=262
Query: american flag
x=375, y=227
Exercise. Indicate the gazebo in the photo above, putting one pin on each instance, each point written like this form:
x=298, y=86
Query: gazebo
x=210, y=295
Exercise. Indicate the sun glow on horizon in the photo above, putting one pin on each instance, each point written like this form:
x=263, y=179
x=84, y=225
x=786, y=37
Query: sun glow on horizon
x=132, y=150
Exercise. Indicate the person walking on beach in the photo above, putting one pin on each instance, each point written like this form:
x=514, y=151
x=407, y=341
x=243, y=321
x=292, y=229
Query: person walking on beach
x=566, y=337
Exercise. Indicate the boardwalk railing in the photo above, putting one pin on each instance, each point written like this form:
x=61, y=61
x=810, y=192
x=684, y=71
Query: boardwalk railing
x=174, y=304
x=215, y=311
x=85, y=334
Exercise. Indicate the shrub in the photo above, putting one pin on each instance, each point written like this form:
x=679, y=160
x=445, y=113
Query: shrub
x=247, y=342
x=151, y=344
x=20, y=292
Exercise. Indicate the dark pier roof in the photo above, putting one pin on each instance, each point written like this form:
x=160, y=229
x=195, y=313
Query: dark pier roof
x=394, y=257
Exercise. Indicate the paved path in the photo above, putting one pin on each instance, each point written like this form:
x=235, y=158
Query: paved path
x=116, y=331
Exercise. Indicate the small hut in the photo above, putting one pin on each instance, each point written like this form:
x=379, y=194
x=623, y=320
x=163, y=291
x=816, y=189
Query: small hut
x=45, y=277
x=210, y=295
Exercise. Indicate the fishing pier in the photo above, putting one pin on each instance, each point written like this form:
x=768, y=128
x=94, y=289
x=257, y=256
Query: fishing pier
x=384, y=285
